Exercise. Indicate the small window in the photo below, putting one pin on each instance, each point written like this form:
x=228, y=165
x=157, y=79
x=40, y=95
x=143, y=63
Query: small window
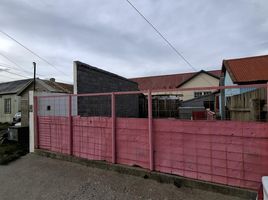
x=197, y=94
x=207, y=92
x=7, y=106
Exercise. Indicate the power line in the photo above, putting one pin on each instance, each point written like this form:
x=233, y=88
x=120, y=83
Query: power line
x=21, y=68
x=9, y=67
x=17, y=66
x=165, y=39
x=162, y=36
x=13, y=73
x=10, y=37
x=7, y=77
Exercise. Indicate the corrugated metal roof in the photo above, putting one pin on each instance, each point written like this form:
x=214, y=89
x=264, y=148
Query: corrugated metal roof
x=13, y=86
x=246, y=70
x=20, y=85
x=168, y=81
x=59, y=87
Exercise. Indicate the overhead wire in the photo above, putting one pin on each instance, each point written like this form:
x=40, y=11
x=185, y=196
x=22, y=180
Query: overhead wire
x=35, y=54
x=8, y=77
x=9, y=67
x=165, y=39
x=18, y=67
x=13, y=73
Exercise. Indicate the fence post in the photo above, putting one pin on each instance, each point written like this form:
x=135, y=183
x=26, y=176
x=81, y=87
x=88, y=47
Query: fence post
x=36, y=133
x=113, y=113
x=150, y=129
x=70, y=123
x=31, y=122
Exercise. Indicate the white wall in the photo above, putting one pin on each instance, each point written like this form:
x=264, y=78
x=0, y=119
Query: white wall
x=56, y=106
x=15, y=107
x=228, y=82
x=201, y=80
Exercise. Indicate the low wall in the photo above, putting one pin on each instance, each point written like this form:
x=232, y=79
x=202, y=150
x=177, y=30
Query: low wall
x=226, y=152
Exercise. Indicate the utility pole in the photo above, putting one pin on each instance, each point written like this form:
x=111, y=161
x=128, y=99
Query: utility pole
x=34, y=65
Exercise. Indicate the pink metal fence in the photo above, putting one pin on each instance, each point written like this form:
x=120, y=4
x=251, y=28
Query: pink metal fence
x=227, y=152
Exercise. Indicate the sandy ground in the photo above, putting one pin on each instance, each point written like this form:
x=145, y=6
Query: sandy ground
x=37, y=177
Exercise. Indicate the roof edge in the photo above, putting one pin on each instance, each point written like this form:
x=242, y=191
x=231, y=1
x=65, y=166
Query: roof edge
x=104, y=71
x=24, y=87
x=228, y=69
x=174, y=74
x=243, y=58
x=195, y=75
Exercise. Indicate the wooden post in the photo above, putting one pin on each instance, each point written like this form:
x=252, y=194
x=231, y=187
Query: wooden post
x=113, y=113
x=255, y=109
x=150, y=130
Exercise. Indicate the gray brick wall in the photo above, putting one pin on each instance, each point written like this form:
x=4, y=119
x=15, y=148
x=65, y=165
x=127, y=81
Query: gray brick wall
x=93, y=80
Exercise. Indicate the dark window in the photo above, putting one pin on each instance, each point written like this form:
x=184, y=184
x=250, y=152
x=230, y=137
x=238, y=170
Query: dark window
x=7, y=106
x=48, y=108
x=207, y=93
x=198, y=94
x=209, y=104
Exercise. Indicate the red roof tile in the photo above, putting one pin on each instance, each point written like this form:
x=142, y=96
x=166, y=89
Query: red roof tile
x=250, y=69
x=168, y=81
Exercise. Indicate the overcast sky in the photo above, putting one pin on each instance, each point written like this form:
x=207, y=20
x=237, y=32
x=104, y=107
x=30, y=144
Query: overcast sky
x=109, y=34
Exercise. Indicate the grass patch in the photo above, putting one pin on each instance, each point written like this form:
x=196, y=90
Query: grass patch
x=10, y=152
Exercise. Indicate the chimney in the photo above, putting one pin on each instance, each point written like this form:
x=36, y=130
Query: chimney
x=52, y=79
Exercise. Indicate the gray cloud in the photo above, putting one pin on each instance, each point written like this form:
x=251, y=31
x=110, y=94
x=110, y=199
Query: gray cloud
x=110, y=35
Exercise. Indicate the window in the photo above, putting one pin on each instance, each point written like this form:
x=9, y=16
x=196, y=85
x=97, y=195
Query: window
x=7, y=106
x=198, y=94
x=207, y=92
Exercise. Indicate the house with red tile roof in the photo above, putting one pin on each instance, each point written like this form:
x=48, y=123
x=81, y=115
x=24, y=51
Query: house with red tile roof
x=185, y=80
x=249, y=70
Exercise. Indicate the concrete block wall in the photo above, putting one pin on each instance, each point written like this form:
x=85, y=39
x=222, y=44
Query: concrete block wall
x=90, y=79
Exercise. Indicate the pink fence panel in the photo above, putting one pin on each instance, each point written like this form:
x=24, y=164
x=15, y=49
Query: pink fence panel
x=54, y=133
x=92, y=138
x=232, y=153
x=132, y=142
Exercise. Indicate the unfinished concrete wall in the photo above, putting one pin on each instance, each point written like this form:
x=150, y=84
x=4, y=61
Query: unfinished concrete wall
x=90, y=79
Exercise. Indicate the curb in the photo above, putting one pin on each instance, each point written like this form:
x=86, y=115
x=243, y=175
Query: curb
x=178, y=181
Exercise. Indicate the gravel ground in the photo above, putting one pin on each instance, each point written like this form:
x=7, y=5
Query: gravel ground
x=36, y=177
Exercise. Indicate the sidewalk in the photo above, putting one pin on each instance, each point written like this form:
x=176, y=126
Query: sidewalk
x=36, y=177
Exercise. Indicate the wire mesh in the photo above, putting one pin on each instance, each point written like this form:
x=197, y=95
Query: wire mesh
x=207, y=134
